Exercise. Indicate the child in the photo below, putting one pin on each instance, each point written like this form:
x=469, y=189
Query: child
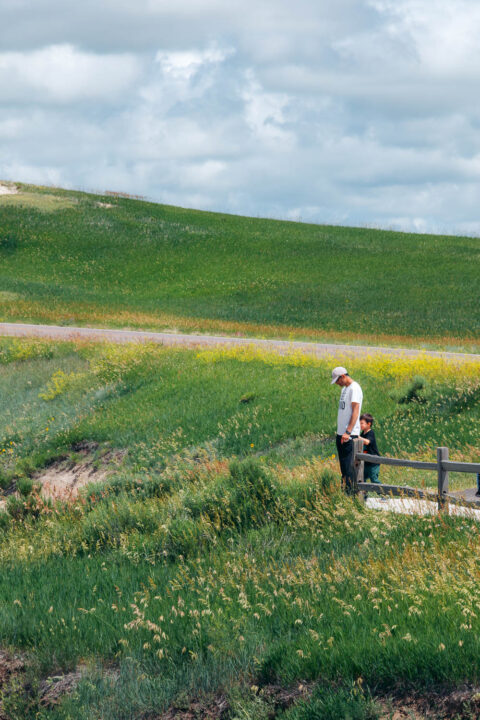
x=371, y=470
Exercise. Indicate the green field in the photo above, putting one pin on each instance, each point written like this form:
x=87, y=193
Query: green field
x=220, y=563
x=218, y=571
x=70, y=257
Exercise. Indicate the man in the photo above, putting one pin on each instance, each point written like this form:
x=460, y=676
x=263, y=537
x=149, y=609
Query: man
x=348, y=422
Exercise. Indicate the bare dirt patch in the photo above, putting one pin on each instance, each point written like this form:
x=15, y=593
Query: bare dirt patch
x=65, y=478
x=7, y=188
x=12, y=677
x=462, y=703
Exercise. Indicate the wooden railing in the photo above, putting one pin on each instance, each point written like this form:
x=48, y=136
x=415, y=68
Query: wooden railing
x=442, y=467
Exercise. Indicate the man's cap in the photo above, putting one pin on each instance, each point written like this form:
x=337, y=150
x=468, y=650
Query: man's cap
x=336, y=373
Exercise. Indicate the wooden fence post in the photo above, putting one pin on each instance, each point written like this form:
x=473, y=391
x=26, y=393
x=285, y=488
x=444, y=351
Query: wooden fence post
x=442, y=454
x=358, y=465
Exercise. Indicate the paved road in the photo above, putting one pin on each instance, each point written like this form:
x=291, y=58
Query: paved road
x=281, y=346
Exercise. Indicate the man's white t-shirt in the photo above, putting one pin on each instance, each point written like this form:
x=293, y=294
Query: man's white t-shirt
x=349, y=394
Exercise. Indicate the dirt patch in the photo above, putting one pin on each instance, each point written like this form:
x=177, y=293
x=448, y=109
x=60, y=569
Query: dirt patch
x=217, y=707
x=12, y=679
x=8, y=188
x=202, y=709
x=54, y=688
x=10, y=665
x=104, y=205
x=464, y=702
x=64, y=478
x=461, y=704
x=16, y=682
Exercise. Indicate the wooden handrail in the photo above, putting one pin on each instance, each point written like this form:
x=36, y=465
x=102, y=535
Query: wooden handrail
x=381, y=460
x=442, y=467
x=448, y=465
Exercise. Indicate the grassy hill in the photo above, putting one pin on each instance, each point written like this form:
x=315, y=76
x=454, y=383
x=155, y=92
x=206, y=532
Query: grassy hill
x=219, y=571
x=71, y=257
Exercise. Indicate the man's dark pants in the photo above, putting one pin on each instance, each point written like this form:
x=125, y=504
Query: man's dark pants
x=345, y=456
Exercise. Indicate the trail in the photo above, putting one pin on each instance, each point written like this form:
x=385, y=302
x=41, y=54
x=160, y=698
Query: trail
x=60, y=332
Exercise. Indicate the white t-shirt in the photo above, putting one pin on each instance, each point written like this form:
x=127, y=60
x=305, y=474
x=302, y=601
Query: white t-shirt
x=349, y=394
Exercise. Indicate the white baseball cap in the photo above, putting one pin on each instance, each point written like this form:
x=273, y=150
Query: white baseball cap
x=336, y=373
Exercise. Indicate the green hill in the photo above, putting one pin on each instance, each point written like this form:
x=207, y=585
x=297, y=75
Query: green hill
x=73, y=257
x=218, y=571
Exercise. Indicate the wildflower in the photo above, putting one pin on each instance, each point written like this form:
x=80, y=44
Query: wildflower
x=441, y=647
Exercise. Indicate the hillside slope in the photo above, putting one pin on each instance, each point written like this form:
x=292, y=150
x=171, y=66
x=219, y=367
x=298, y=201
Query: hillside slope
x=72, y=257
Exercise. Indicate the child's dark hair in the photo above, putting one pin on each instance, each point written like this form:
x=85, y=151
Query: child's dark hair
x=368, y=418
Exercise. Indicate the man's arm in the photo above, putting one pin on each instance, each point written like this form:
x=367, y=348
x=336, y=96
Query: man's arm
x=351, y=422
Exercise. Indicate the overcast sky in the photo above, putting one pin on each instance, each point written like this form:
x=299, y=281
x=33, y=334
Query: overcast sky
x=356, y=112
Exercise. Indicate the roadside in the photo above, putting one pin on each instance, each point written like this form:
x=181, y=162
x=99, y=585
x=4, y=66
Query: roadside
x=283, y=347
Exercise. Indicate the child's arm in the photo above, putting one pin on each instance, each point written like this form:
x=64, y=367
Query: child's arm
x=364, y=440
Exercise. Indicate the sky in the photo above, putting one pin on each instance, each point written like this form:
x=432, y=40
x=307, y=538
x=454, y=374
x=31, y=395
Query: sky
x=352, y=112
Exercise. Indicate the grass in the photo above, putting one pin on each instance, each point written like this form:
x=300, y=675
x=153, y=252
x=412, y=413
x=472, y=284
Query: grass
x=157, y=402
x=67, y=259
x=221, y=558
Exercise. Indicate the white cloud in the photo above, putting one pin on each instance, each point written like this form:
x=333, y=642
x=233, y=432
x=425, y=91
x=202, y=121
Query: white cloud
x=358, y=111
x=183, y=65
x=444, y=33
x=65, y=74
x=264, y=113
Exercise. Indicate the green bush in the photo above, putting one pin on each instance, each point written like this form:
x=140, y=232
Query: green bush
x=4, y=520
x=25, y=486
x=5, y=479
x=31, y=506
x=16, y=507
x=247, y=497
x=412, y=392
x=106, y=523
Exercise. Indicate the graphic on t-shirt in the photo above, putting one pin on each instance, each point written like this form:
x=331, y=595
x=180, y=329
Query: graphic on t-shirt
x=352, y=393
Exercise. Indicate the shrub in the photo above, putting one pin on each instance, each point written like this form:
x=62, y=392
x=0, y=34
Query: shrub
x=4, y=520
x=16, y=507
x=8, y=243
x=24, y=486
x=106, y=523
x=246, y=497
x=5, y=479
x=412, y=392
x=31, y=505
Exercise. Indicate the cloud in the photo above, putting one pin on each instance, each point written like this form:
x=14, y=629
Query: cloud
x=444, y=34
x=65, y=74
x=359, y=111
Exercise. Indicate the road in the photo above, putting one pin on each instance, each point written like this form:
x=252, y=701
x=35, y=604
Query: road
x=60, y=332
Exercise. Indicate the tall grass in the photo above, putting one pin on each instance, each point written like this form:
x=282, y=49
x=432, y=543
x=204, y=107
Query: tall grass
x=222, y=556
x=158, y=402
